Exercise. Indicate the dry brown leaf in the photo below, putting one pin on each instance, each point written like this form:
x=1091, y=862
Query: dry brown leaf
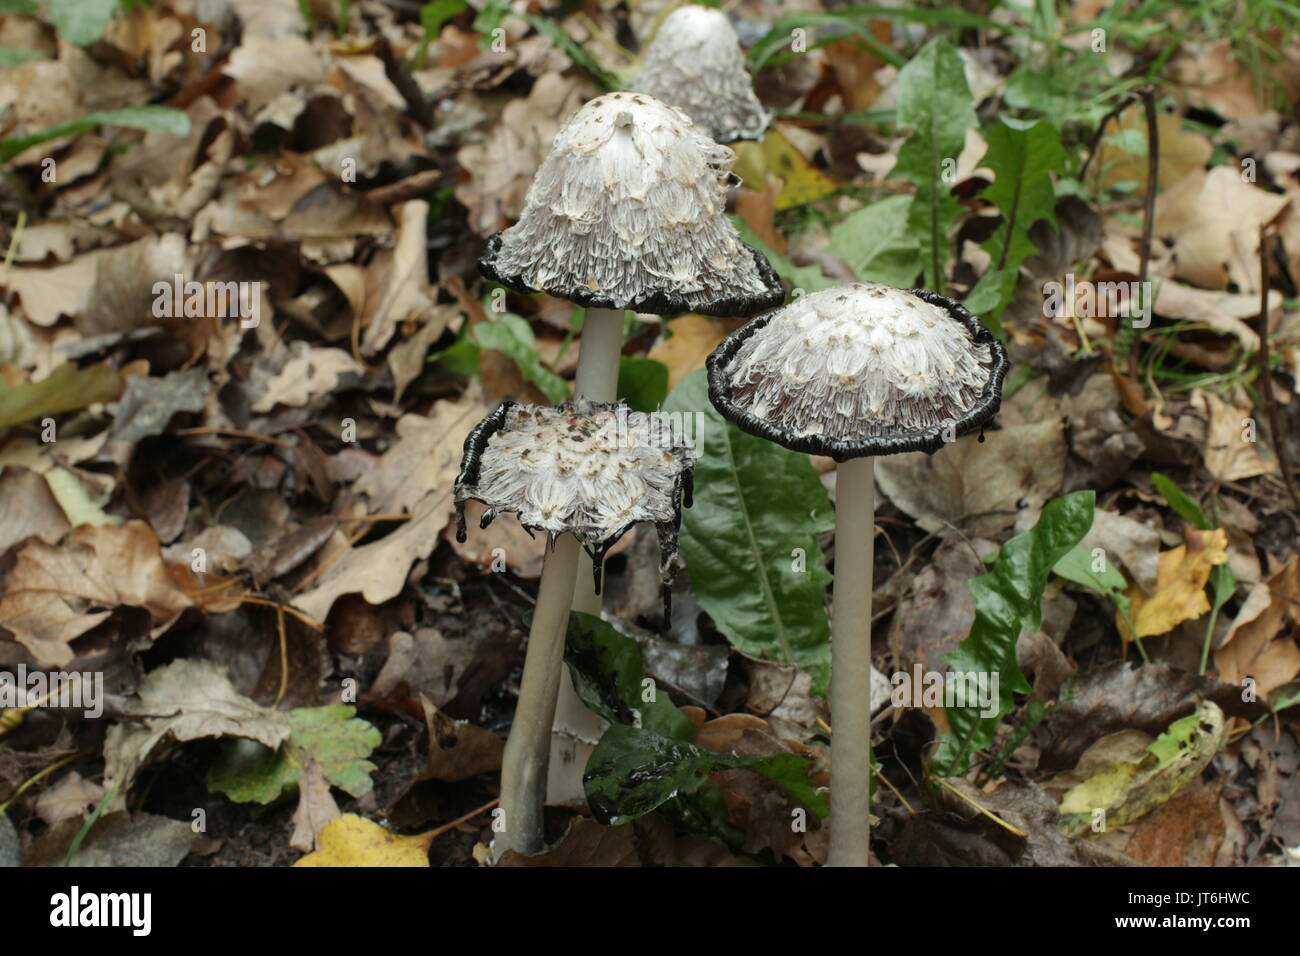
x=311, y=372
x=316, y=806
x=1232, y=450
x=48, y=595
x=28, y=507
x=1262, y=642
x=1181, y=151
x=504, y=544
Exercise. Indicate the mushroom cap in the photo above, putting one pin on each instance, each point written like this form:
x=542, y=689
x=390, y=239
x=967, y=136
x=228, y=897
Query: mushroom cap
x=695, y=63
x=592, y=469
x=626, y=212
x=860, y=370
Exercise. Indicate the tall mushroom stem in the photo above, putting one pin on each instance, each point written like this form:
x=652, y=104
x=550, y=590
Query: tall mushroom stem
x=576, y=726
x=855, y=506
x=528, y=749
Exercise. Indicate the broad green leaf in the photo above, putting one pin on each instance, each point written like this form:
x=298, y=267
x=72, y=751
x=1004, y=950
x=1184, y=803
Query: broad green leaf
x=23, y=7
x=512, y=335
x=1008, y=600
x=81, y=21
x=159, y=119
x=642, y=383
x=750, y=540
x=1180, y=502
x=935, y=103
x=1023, y=159
x=1080, y=566
x=807, y=278
x=66, y=389
x=610, y=678
x=633, y=771
x=248, y=772
x=874, y=242
x=1054, y=95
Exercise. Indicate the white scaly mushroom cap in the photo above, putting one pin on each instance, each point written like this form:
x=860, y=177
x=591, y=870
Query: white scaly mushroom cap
x=695, y=63
x=859, y=362
x=627, y=212
x=587, y=468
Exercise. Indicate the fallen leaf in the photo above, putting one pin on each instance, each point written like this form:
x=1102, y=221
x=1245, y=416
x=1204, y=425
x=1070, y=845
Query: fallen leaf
x=687, y=342
x=354, y=841
x=1232, y=450
x=311, y=372
x=316, y=807
x=1262, y=642
x=1180, y=585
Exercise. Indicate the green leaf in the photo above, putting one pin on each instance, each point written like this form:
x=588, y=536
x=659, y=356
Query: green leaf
x=1180, y=502
x=1008, y=600
x=81, y=21
x=633, y=771
x=642, y=383
x=1080, y=565
x=1023, y=159
x=610, y=678
x=935, y=103
x=248, y=772
x=432, y=17
x=572, y=49
x=511, y=334
x=875, y=243
x=11, y=57
x=757, y=510
x=808, y=278
x=160, y=119
x=21, y=7
x=66, y=389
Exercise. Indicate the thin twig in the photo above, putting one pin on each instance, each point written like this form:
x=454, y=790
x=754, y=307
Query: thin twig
x=434, y=834
x=1266, y=373
x=311, y=622
x=988, y=813
x=1149, y=210
x=284, y=656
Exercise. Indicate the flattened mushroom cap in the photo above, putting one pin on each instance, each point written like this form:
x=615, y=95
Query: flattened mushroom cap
x=860, y=370
x=695, y=64
x=592, y=469
x=626, y=212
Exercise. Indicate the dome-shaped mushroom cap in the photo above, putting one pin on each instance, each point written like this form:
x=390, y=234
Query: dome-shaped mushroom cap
x=860, y=370
x=626, y=212
x=695, y=63
x=592, y=469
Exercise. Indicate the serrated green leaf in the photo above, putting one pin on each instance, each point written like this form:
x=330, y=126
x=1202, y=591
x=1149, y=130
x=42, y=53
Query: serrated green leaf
x=757, y=510
x=935, y=103
x=81, y=21
x=511, y=334
x=874, y=242
x=1023, y=159
x=248, y=772
x=159, y=119
x=632, y=771
x=609, y=676
x=1008, y=599
x=642, y=383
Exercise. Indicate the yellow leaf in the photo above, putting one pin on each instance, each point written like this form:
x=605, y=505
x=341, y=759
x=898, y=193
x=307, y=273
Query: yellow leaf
x=777, y=158
x=688, y=343
x=1181, y=577
x=351, y=840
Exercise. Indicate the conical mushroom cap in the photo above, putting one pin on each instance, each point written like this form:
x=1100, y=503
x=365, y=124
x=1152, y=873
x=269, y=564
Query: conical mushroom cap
x=860, y=370
x=695, y=64
x=592, y=469
x=627, y=213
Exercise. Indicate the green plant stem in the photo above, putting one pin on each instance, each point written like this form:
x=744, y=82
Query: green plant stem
x=850, y=693
x=527, y=752
x=576, y=729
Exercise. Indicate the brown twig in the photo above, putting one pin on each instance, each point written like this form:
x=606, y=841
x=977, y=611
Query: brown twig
x=1266, y=372
x=1149, y=210
x=284, y=655
x=314, y=624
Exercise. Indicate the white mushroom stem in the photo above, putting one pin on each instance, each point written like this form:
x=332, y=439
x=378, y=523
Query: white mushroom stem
x=855, y=506
x=576, y=728
x=527, y=752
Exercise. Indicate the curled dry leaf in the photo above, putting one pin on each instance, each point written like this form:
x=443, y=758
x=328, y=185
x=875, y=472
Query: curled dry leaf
x=1262, y=643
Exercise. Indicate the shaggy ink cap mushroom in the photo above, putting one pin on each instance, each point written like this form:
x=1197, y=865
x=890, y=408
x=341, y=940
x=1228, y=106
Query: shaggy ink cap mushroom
x=592, y=469
x=860, y=370
x=695, y=63
x=627, y=212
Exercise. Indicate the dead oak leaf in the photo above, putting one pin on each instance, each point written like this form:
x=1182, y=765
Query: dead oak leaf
x=1232, y=451
x=1262, y=644
x=51, y=595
